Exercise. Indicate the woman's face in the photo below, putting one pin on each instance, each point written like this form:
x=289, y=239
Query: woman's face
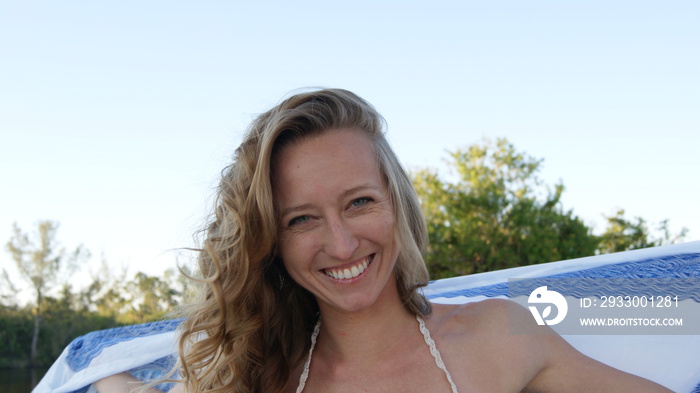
x=336, y=221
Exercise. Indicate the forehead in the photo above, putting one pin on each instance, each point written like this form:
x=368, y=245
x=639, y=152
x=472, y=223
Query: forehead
x=330, y=162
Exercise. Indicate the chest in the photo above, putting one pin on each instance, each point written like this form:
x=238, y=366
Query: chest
x=482, y=366
x=413, y=371
x=418, y=377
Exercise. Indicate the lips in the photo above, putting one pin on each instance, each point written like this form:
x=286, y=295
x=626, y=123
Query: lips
x=349, y=271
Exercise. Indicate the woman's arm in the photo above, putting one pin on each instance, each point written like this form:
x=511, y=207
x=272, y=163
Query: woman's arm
x=535, y=358
x=567, y=369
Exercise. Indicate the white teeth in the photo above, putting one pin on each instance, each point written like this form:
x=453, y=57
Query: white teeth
x=349, y=273
x=355, y=271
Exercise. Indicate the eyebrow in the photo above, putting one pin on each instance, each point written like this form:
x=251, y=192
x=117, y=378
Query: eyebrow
x=345, y=194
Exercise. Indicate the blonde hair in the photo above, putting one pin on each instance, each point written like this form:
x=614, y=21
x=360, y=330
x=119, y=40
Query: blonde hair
x=252, y=322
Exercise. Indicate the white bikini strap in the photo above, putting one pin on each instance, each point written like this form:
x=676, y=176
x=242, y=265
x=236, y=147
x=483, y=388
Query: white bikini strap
x=305, y=373
x=434, y=351
x=426, y=335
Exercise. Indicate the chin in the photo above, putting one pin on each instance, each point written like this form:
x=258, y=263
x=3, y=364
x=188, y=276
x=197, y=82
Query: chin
x=353, y=305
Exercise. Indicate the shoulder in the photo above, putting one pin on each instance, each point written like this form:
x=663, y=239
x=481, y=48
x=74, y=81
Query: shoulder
x=477, y=339
x=479, y=336
x=487, y=328
x=491, y=317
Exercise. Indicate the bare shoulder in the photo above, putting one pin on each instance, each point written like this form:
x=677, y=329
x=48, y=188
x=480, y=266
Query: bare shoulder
x=491, y=317
x=487, y=328
x=485, y=355
x=533, y=359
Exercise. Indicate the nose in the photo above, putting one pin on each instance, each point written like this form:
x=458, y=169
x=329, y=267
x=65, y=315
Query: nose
x=340, y=241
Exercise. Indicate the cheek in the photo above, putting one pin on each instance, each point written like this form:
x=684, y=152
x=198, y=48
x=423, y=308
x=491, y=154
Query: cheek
x=392, y=235
x=385, y=231
x=293, y=267
x=296, y=253
x=287, y=253
x=389, y=222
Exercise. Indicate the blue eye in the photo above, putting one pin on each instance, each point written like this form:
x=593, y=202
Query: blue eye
x=361, y=202
x=298, y=220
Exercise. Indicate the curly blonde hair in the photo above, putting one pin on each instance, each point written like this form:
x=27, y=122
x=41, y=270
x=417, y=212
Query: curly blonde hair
x=252, y=322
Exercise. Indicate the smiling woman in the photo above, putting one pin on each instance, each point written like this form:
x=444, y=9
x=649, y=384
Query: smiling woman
x=313, y=264
x=315, y=195
x=337, y=223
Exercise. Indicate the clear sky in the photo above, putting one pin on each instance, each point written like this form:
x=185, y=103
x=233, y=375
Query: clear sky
x=116, y=117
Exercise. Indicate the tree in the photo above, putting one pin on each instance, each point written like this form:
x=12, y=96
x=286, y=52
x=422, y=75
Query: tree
x=40, y=260
x=8, y=292
x=152, y=297
x=106, y=294
x=622, y=234
x=496, y=214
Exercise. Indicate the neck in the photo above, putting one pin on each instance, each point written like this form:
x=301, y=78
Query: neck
x=369, y=333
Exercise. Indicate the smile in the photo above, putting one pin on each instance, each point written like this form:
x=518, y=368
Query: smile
x=349, y=272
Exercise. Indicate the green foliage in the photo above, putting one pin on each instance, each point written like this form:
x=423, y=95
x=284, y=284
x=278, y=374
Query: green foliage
x=40, y=259
x=496, y=214
x=15, y=336
x=153, y=297
x=102, y=305
x=622, y=234
x=36, y=334
x=61, y=323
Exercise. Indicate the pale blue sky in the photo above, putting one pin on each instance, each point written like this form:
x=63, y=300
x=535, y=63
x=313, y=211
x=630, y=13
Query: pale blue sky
x=116, y=117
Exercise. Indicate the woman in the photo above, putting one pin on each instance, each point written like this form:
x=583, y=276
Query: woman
x=313, y=266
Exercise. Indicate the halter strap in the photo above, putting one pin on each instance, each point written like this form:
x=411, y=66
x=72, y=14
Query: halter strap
x=434, y=351
x=426, y=336
x=305, y=373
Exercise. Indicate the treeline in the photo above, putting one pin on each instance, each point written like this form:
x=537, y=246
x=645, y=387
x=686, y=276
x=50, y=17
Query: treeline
x=493, y=212
x=35, y=334
x=69, y=314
